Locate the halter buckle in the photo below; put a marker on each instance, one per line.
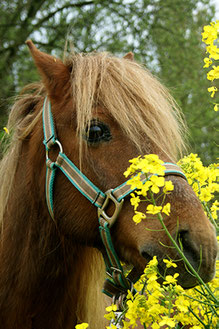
(118, 206)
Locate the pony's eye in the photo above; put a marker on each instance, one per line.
(97, 132)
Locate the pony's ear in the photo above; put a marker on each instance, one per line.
(129, 56)
(54, 73)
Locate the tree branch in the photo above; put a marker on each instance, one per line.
(46, 18)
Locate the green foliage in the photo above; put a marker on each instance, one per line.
(164, 34)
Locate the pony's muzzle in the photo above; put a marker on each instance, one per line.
(202, 259)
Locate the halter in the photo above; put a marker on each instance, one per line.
(118, 284)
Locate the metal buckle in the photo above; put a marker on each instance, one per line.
(118, 206)
(60, 149)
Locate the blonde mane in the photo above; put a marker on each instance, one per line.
(128, 92)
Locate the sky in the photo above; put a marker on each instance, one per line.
(216, 3)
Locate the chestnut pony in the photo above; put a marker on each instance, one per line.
(106, 110)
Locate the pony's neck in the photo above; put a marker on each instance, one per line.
(46, 281)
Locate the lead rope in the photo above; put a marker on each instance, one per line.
(117, 284)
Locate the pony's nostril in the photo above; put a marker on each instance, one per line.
(188, 247)
(183, 239)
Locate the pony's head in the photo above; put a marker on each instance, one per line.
(106, 111)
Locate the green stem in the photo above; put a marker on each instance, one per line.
(197, 317)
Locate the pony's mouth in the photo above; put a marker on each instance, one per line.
(185, 278)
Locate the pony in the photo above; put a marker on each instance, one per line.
(105, 110)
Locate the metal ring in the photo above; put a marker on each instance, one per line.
(60, 148)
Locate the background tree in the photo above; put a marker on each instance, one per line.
(164, 34)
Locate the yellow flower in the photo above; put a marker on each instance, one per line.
(156, 183)
(205, 195)
(153, 262)
(153, 209)
(132, 312)
(6, 130)
(166, 209)
(209, 34)
(138, 286)
(182, 304)
(145, 188)
(216, 107)
(137, 218)
(212, 90)
(169, 263)
(111, 308)
(213, 74)
(135, 182)
(167, 321)
(214, 209)
(168, 187)
(207, 62)
(81, 326)
(171, 279)
(135, 200)
(110, 316)
(130, 295)
(213, 51)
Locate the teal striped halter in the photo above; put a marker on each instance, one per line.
(117, 284)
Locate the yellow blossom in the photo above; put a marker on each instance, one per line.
(135, 182)
(156, 182)
(205, 195)
(167, 321)
(166, 209)
(169, 263)
(151, 209)
(212, 90)
(137, 218)
(111, 308)
(6, 130)
(207, 62)
(135, 200)
(216, 107)
(214, 73)
(168, 187)
(169, 279)
(81, 326)
(153, 262)
(182, 304)
(213, 51)
(209, 34)
(214, 209)
(138, 286)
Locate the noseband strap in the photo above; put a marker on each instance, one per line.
(118, 283)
